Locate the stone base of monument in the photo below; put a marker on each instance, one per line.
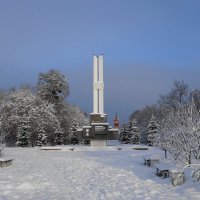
(98, 143)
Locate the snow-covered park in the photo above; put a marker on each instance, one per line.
(90, 173)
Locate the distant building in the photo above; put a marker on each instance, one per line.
(116, 122)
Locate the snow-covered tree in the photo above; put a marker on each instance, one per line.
(45, 110)
(134, 133)
(58, 138)
(73, 134)
(143, 117)
(23, 133)
(41, 138)
(2, 133)
(44, 119)
(180, 132)
(130, 133)
(2, 141)
(24, 104)
(124, 135)
(195, 95)
(52, 86)
(14, 109)
(152, 131)
(74, 116)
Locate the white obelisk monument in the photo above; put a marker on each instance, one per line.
(98, 85)
(99, 131)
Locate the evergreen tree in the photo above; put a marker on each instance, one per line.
(73, 134)
(58, 138)
(130, 133)
(152, 131)
(41, 138)
(134, 133)
(22, 136)
(124, 137)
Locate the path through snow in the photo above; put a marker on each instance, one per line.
(71, 175)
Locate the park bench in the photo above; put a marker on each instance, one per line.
(150, 162)
(162, 173)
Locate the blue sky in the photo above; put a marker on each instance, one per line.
(147, 45)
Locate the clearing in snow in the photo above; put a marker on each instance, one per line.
(93, 174)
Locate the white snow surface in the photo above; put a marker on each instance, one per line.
(97, 174)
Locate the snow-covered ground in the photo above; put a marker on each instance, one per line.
(88, 174)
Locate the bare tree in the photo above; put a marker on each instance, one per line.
(176, 97)
(195, 95)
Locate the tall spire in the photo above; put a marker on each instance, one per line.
(116, 122)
